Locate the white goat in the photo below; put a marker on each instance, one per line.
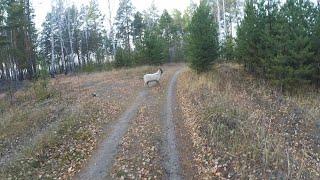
(153, 77)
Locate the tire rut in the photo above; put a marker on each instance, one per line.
(100, 163)
(172, 160)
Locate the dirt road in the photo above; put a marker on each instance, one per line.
(142, 142)
(100, 162)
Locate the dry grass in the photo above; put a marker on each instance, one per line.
(63, 121)
(241, 127)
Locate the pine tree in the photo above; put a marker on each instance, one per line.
(279, 44)
(137, 27)
(122, 58)
(293, 61)
(247, 38)
(203, 39)
(167, 31)
(165, 25)
(45, 43)
(3, 40)
(179, 32)
(123, 23)
(228, 49)
(21, 30)
(153, 47)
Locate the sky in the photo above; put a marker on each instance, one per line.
(42, 7)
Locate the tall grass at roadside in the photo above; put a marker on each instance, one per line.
(254, 130)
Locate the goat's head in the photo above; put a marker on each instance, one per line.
(161, 71)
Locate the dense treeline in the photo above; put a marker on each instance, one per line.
(276, 41)
(73, 39)
(76, 39)
(17, 40)
(281, 42)
(147, 38)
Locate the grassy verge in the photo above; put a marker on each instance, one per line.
(243, 128)
(59, 151)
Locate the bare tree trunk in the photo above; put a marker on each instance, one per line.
(64, 63)
(70, 33)
(224, 19)
(2, 71)
(218, 18)
(52, 68)
(87, 44)
(128, 37)
(128, 33)
(28, 41)
(8, 76)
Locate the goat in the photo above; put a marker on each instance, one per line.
(153, 77)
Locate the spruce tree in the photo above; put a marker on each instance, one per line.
(153, 47)
(247, 36)
(203, 39)
(292, 64)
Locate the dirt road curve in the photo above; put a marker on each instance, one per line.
(101, 163)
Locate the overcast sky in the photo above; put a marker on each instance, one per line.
(42, 7)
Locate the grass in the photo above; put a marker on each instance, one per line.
(251, 129)
(95, 67)
(56, 150)
(64, 116)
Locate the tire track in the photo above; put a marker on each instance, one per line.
(100, 163)
(172, 161)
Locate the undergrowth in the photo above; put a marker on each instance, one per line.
(253, 130)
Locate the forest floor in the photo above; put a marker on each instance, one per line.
(224, 124)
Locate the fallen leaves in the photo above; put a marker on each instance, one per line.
(139, 155)
(64, 149)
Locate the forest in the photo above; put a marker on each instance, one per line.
(276, 41)
(222, 89)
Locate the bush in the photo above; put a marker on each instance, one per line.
(41, 90)
(123, 58)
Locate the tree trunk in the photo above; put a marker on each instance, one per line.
(224, 19)
(64, 63)
(70, 33)
(87, 45)
(218, 18)
(52, 69)
(28, 43)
